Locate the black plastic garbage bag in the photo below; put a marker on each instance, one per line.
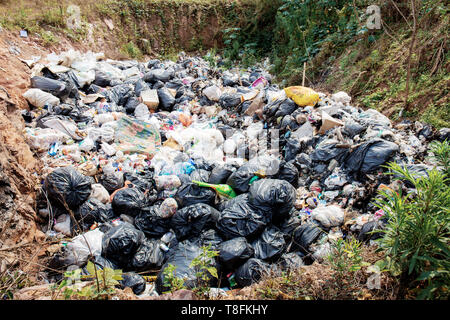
(57, 88)
(200, 175)
(118, 94)
(158, 75)
(189, 194)
(235, 252)
(102, 79)
(102, 263)
(143, 181)
(166, 100)
(287, 107)
(128, 201)
(219, 175)
(370, 156)
(91, 211)
(288, 172)
(305, 235)
(120, 243)
(131, 105)
(288, 226)
(113, 181)
(270, 245)
(292, 148)
(329, 150)
(240, 219)
(151, 222)
(367, 231)
(352, 129)
(230, 202)
(209, 238)
(240, 179)
(67, 185)
(192, 220)
(292, 260)
(273, 195)
(229, 100)
(149, 256)
(140, 86)
(181, 257)
(134, 281)
(250, 272)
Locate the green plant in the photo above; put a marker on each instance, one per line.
(132, 50)
(441, 152)
(204, 269)
(104, 282)
(48, 38)
(171, 281)
(416, 237)
(345, 257)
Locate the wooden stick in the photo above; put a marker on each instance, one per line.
(304, 69)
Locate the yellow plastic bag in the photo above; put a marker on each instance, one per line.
(302, 96)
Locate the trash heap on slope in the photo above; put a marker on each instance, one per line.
(127, 148)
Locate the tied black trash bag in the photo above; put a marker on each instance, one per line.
(92, 211)
(240, 219)
(235, 252)
(67, 185)
(219, 175)
(149, 256)
(128, 201)
(131, 105)
(250, 272)
(230, 100)
(134, 281)
(209, 238)
(272, 195)
(240, 179)
(103, 263)
(288, 172)
(370, 156)
(305, 235)
(192, 220)
(57, 88)
(289, 225)
(327, 151)
(366, 231)
(140, 86)
(166, 100)
(287, 107)
(292, 148)
(121, 243)
(270, 245)
(102, 79)
(181, 258)
(189, 194)
(152, 223)
(112, 181)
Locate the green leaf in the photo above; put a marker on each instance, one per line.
(90, 267)
(213, 271)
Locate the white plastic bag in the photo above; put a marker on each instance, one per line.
(100, 193)
(39, 98)
(328, 216)
(87, 144)
(85, 244)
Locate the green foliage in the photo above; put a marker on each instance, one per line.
(345, 257)
(204, 269)
(171, 281)
(132, 50)
(104, 283)
(48, 38)
(416, 237)
(12, 281)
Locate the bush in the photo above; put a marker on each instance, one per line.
(416, 237)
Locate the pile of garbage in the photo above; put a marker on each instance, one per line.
(145, 163)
